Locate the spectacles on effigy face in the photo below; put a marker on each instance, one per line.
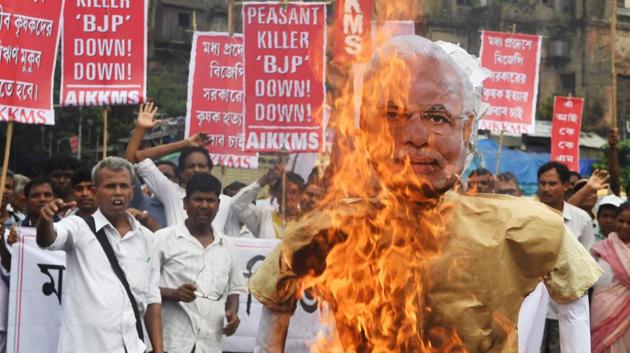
(201, 294)
(437, 119)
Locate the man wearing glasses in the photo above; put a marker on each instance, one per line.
(200, 277)
(406, 264)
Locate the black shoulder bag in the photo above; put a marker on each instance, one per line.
(109, 252)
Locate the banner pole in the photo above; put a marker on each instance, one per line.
(613, 69)
(283, 205)
(105, 133)
(7, 154)
(501, 136)
(230, 19)
(80, 133)
(194, 21)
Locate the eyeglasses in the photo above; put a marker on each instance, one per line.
(440, 122)
(199, 293)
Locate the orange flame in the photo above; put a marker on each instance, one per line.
(375, 276)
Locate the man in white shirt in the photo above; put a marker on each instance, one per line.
(553, 182)
(194, 159)
(98, 314)
(200, 277)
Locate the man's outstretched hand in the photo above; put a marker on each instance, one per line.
(146, 116)
(49, 210)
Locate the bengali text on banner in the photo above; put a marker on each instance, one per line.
(104, 53)
(511, 90)
(352, 30)
(565, 131)
(215, 97)
(284, 87)
(29, 33)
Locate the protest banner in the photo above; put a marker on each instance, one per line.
(35, 296)
(284, 95)
(37, 287)
(29, 33)
(104, 53)
(215, 97)
(511, 90)
(304, 326)
(352, 30)
(565, 131)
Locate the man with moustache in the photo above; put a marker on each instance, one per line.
(464, 263)
(200, 276)
(112, 269)
(553, 183)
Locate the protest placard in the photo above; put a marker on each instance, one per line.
(104, 50)
(511, 90)
(215, 97)
(352, 26)
(284, 89)
(29, 33)
(565, 131)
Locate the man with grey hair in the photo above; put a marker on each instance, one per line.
(407, 264)
(113, 269)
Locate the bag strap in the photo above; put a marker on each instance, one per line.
(113, 261)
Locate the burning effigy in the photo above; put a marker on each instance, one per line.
(401, 261)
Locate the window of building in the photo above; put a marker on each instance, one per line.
(567, 83)
(464, 2)
(184, 19)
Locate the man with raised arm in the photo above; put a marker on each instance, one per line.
(193, 159)
(112, 269)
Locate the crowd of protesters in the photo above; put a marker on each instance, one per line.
(165, 230)
(595, 212)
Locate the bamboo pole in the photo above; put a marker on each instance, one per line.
(7, 154)
(501, 136)
(105, 132)
(613, 69)
(230, 19)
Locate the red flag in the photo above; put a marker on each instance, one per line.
(511, 90)
(351, 31)
(104, 53)
(284, 82)
(29, 33)
(215, 97)
(565, 131)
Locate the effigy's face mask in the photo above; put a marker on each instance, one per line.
(414, 119)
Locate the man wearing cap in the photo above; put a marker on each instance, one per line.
(407, 264)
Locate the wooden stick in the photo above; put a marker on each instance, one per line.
(501, 137)
(230, 19)
(105, 133)
(7, 154)
(499, 152)
(194, 22)
(613, 69)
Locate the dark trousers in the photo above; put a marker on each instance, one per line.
(551, 337)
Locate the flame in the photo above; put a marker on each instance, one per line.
(375, 277)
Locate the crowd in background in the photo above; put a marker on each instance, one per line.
(193, 217)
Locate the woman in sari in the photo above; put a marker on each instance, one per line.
(610, 313)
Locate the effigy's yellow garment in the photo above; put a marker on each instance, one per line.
(496, 249)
